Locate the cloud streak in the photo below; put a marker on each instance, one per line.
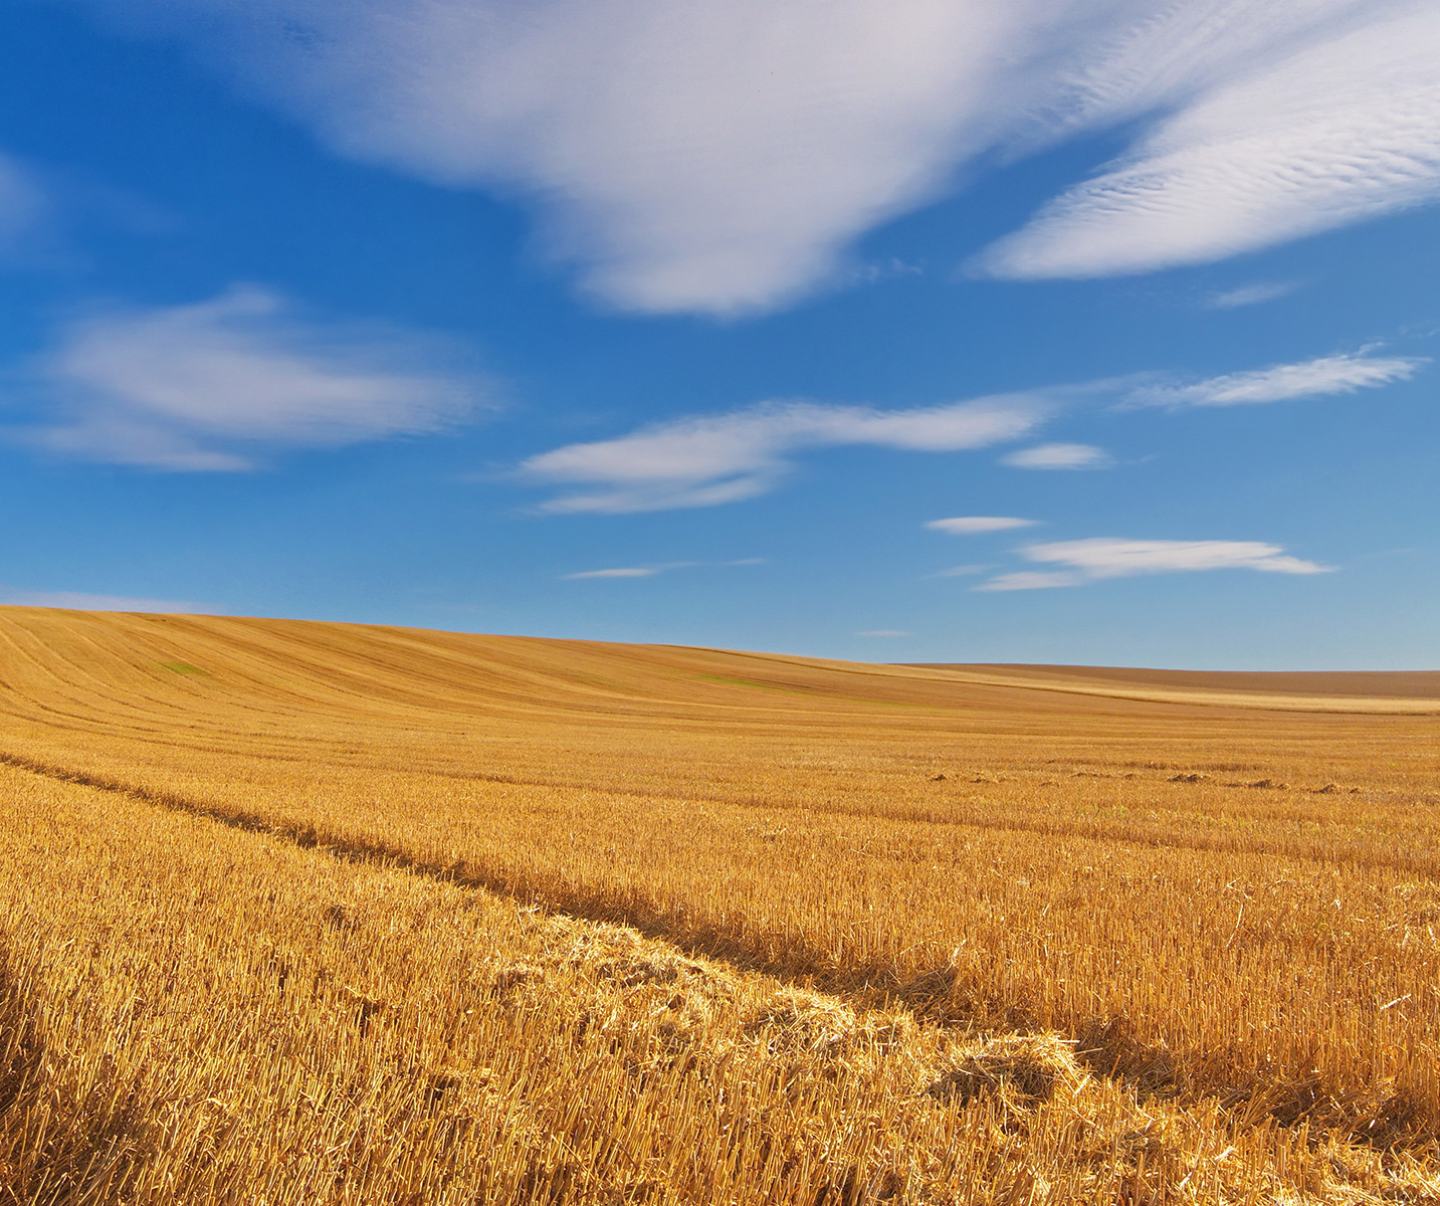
(651, 571)
(975, 525)
(1322, 377)
(1257, 294)
(214, 386)
(961, 571)
(1058, 456)
(1078, 562)
(625, 571)
(716, 459)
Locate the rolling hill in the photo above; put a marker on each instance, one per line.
(301, 911)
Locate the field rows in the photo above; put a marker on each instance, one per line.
(209, 1014)
(946, 939)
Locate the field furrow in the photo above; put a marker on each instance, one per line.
(945, 938)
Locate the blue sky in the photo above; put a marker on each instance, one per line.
(1095, 332)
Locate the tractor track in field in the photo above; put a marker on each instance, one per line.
(1107, 1048)
(879, 986)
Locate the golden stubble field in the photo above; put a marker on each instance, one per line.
(297, 913)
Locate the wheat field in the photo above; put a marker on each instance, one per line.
(296, 913)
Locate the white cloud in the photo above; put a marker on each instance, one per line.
(1104, 557)
(72, 600)
(969, 525)
(1250, 295)
(722, 158)
(685, 156)
(1097, 558)
(1031, 580)
(886, 269)
(1281, 121)
(650, 571)
(883, 634)
(1343, 374)
(961, 571)
(1058, 456)
(209, 387)
(706, 461)
(628, 571)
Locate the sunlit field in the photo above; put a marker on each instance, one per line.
(297, 913)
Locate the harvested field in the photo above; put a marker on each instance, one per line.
(324, 913)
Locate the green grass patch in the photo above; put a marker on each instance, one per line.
(731, 681)
(184, 668)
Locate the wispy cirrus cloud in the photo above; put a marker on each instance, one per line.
(217, 385)
(651, 571)
(623, 571)
(974, 525)
(883, 634)
(1256, 294)
(713, 460)
(1321, 377)
(683, 157)
(710, 460)
(1058, 456)
(1032, 580)
(1077, 562)
(723, 158)
(1278, 121)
